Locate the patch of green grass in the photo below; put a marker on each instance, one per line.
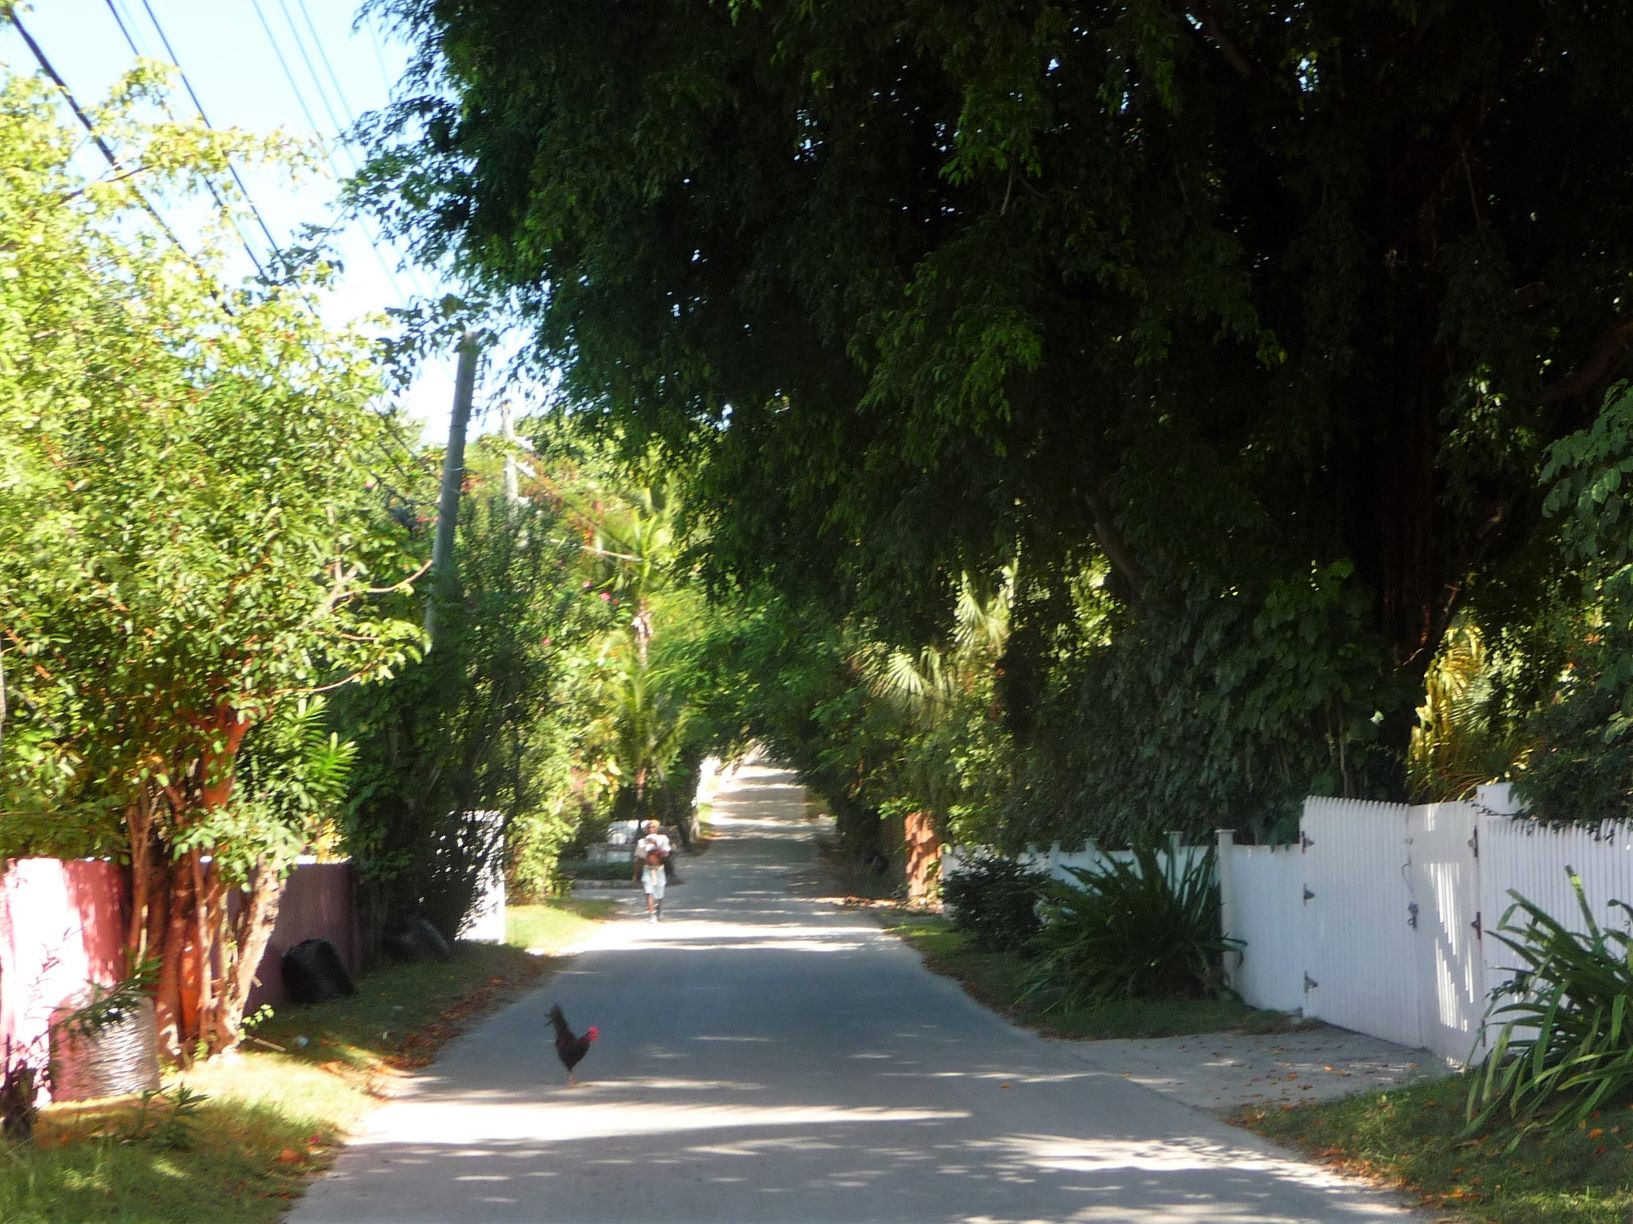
(275, 1113)
(598, 873)
(1413, 1137)
(998, 979)
(557, 925)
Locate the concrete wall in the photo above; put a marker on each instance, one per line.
(62, 925)
(317, 904)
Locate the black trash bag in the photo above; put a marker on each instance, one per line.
(314, 972)
(416, 939)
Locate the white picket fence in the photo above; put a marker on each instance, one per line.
(1380, 920)
(1054, 861)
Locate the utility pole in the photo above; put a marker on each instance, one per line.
(508, 428)
(453, 475)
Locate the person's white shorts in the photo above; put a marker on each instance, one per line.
(652, 880)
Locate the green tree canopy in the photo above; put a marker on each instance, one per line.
(190, 542)
(1269, 308)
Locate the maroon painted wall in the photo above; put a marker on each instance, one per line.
(62, 925)
(317, 904)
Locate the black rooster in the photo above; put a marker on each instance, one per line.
(571, 1050)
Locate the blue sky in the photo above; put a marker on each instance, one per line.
(229, 49)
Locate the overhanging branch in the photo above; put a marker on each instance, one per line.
(1205, 20)
(1596, 371)
(1114, 544)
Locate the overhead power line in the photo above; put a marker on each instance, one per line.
(299, 92)
(265, 229)
(102, 145)
(209, 183)
(323, 56)
(277, 250)
(119, 168)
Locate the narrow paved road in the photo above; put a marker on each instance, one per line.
(768, 1056)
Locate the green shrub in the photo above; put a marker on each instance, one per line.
(996, 900)
(1131, 930)
(1566, 1036)
(618, 872)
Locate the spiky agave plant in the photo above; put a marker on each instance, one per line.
(1145, 927)
(1564, 1044)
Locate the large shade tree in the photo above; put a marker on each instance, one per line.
(1267, 309)
(190, 545)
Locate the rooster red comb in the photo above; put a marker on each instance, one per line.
(592, 1032)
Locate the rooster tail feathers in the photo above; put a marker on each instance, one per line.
(563, 1033)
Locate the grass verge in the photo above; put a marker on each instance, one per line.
(1412, 1137)
(273, 1115)
(557, 925)
(998, 979)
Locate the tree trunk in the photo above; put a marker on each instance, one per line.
(173, 946)
(252, 930)
(181, 909)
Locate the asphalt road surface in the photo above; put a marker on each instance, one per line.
(767, 1055)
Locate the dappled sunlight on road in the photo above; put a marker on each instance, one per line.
(767, 1055)
(587, 1121)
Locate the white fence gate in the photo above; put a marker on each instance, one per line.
(1380, 920)
(1261, 888)
(1355, 928)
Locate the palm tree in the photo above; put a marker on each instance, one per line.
(1460, 741)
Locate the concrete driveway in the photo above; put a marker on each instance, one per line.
(767, 1056)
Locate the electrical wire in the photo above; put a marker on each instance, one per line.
(379, 58)
(306, 110)
(323, 97)
(107, 153)
(113, 161)
(310, 305)
(199, 106)
(209, 183)
(323, 55)
(346, 109)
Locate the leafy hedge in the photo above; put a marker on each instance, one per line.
(996, 900)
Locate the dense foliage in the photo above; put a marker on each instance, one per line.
(1259, 318)
(455, 750)
(191, 547)
(996, 900)
(568, 684)
(1146, 926)
(1581, 768)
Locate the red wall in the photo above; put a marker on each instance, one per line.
(62, 925)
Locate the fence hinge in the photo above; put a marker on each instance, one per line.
(1307, 894)
(1474, 842)
(1310, 983)
(1412, 915)
(1478, 933)
(1304, 842)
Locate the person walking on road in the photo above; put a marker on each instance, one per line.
(651, 857)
